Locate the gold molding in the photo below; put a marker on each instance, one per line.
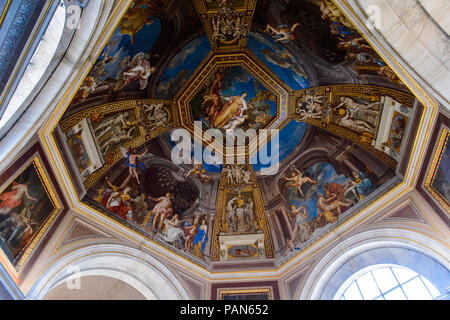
(431, 174)
(50, 144)
(47, 185)
(207, 14)
(247, 291)
(250, 65)
(5, 12)
(219, 224)
(110, 109)
(374, 93)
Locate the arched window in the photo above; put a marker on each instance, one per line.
(387, 282)
(41, 59)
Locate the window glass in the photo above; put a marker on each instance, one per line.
(41, 59)
(387, 282)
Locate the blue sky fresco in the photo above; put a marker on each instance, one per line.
(289, 137)
(182, 67)
(279, 60)
(322, 172)
(235, 82)
(120, 46)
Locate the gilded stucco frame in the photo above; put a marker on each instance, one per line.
(49, 190)
(435, 162)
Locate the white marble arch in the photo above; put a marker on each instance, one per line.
(93, 20)
(416, 35)
(407, 248)
(137, 269)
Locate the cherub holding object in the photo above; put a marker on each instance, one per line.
(297, 179)
(283, 32)
(200, 172)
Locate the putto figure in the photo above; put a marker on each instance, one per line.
(296, 180)
(283, 33)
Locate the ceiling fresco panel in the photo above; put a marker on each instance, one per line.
(339, 123)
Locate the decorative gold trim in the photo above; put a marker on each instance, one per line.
(265, 77)
(431, 174)
(375, 93)
(49, 144)
(222, 292)
(5, 12)
(111, 108)
(26, 252)
(219, 224)
(206, 16)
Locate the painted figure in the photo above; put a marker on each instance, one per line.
(200, 240)
(299, 217)
(162, 210)
(136, 18)
(214, 94)
(354, 107)
(133, 162)
(283, 33)
(200, 171)
(172, 232)
(12, 199)
(327, 207)
(354, 124)
(190, 233)
(361, 184)
(235, 106)
(297, 179)
(139, 69)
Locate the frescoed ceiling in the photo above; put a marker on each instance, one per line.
(337, 121)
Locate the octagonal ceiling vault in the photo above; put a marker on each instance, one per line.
(226, 77)
(341, 143)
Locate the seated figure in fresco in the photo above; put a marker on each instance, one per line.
(330, 208)
(162, 210)
(235, 106)
(118, 202)
(23, 222)
(283, 33)
(13, 199)
(296, 180)
(173, 233)
(11, 225)
(139, 69)
(24, 237)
